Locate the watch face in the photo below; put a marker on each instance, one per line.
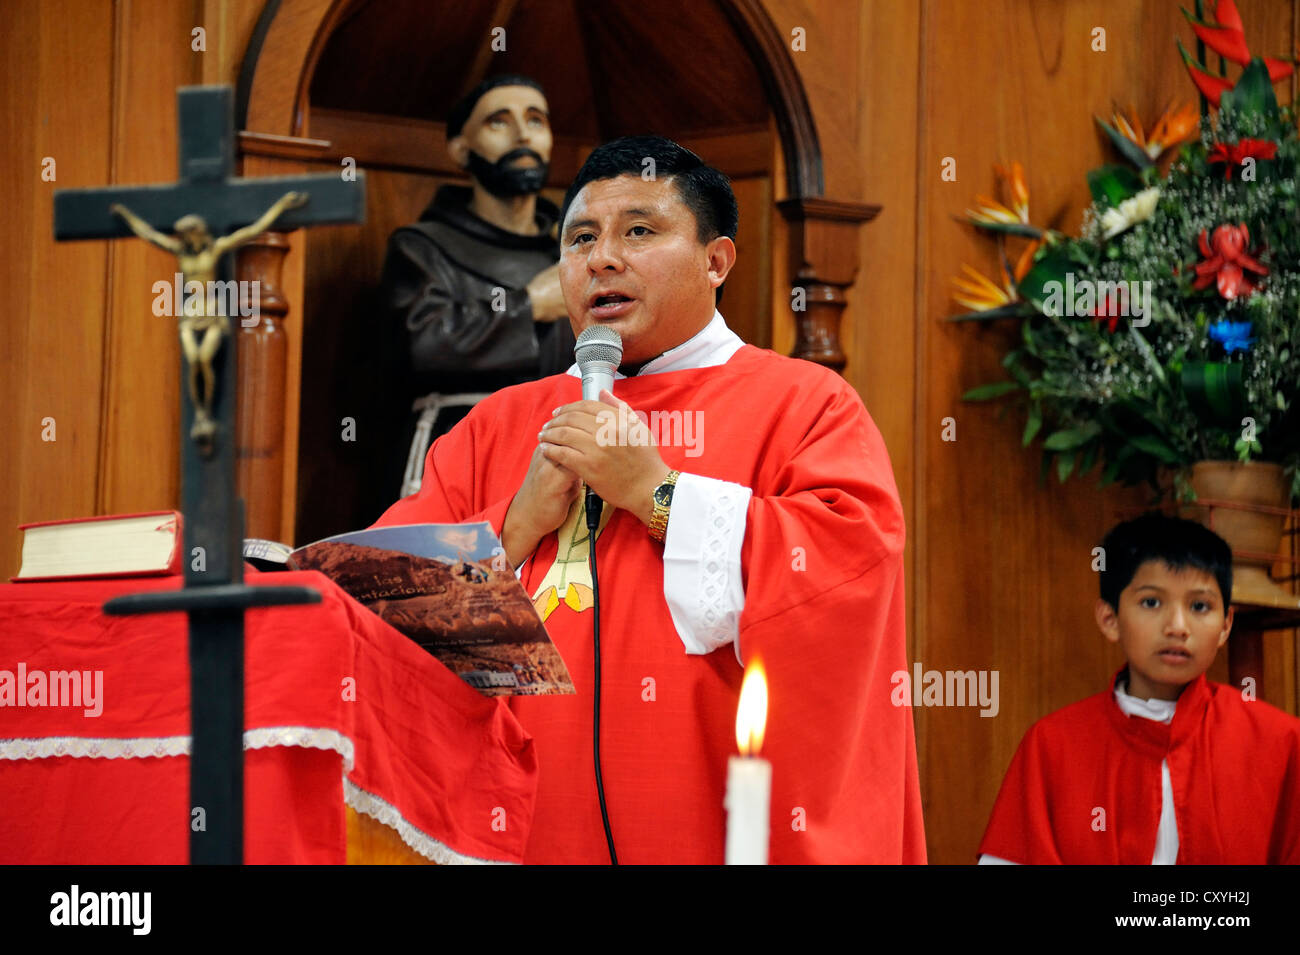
(664, 495)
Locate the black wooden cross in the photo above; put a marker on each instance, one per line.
(214, 595)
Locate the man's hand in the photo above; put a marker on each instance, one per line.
(539, 507)
(607, 445)
(545, 296)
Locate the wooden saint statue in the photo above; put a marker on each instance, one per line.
(198, 253)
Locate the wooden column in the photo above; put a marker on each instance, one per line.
(823, 263)
(262, 351)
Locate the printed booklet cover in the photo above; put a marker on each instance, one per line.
(450, 589)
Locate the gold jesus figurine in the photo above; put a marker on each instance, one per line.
(198, 253)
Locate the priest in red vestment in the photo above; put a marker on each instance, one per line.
(750, 514)
(1164, 767)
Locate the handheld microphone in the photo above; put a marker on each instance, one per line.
(599, 353)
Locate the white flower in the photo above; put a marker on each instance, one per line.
(1130, 212)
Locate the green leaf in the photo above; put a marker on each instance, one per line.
(1014, 310)
(1144, 347)
(1052, 267)
(1253, 95)
(1214, 389)
(1113, 184)
(1072, 438)
(1089, 458)
(1156, 447)
(1127, 148)
(1064, 467)
(1008, 228)
(1033, 425)
(1111, 473)
(995, 390)
(1011, 362)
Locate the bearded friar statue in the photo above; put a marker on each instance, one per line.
(474, 283)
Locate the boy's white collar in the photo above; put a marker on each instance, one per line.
(1162, 711)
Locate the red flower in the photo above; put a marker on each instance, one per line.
(1111, 321)
(1227, 262)
(1225, 35)
(1108, 309)
(1233, 154)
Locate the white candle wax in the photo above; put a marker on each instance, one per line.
(749, 813)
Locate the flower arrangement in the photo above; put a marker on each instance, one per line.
(1168, 331)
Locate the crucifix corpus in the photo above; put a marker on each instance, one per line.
(209, 214)
(198, 254)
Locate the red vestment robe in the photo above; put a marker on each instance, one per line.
(823, 572)
(1084, 786)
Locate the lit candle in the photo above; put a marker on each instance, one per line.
(749, 779)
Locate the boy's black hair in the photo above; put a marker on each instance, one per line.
(705, 191)
(459, 114)
(1155, 536)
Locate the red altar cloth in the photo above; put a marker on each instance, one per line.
(339, 708)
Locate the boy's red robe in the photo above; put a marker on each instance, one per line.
(822, 566)
(1234, 764)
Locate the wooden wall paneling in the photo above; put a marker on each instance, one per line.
(153, 56)
(827, 65)
(1005, 572)
(229, 25)
(1004, 562)
(57, 83)
(746, 302)
(783, 331)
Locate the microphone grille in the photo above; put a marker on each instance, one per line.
(599, 343)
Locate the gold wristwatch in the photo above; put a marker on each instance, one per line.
(663, 501)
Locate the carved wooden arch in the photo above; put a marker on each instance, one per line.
(292, 34)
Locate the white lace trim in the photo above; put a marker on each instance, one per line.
(302, 736)
(158, 746)
(715, 614)
(386, 813)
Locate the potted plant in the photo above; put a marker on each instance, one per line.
(1163, 341)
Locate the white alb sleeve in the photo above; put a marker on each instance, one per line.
(703, 586)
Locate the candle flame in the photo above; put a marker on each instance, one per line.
(751, 713)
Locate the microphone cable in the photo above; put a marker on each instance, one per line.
(593, 507)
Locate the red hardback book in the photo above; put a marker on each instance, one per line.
(147, 544)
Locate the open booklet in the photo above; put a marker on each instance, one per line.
(450, 589)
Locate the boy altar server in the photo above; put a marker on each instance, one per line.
(1163, 767)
